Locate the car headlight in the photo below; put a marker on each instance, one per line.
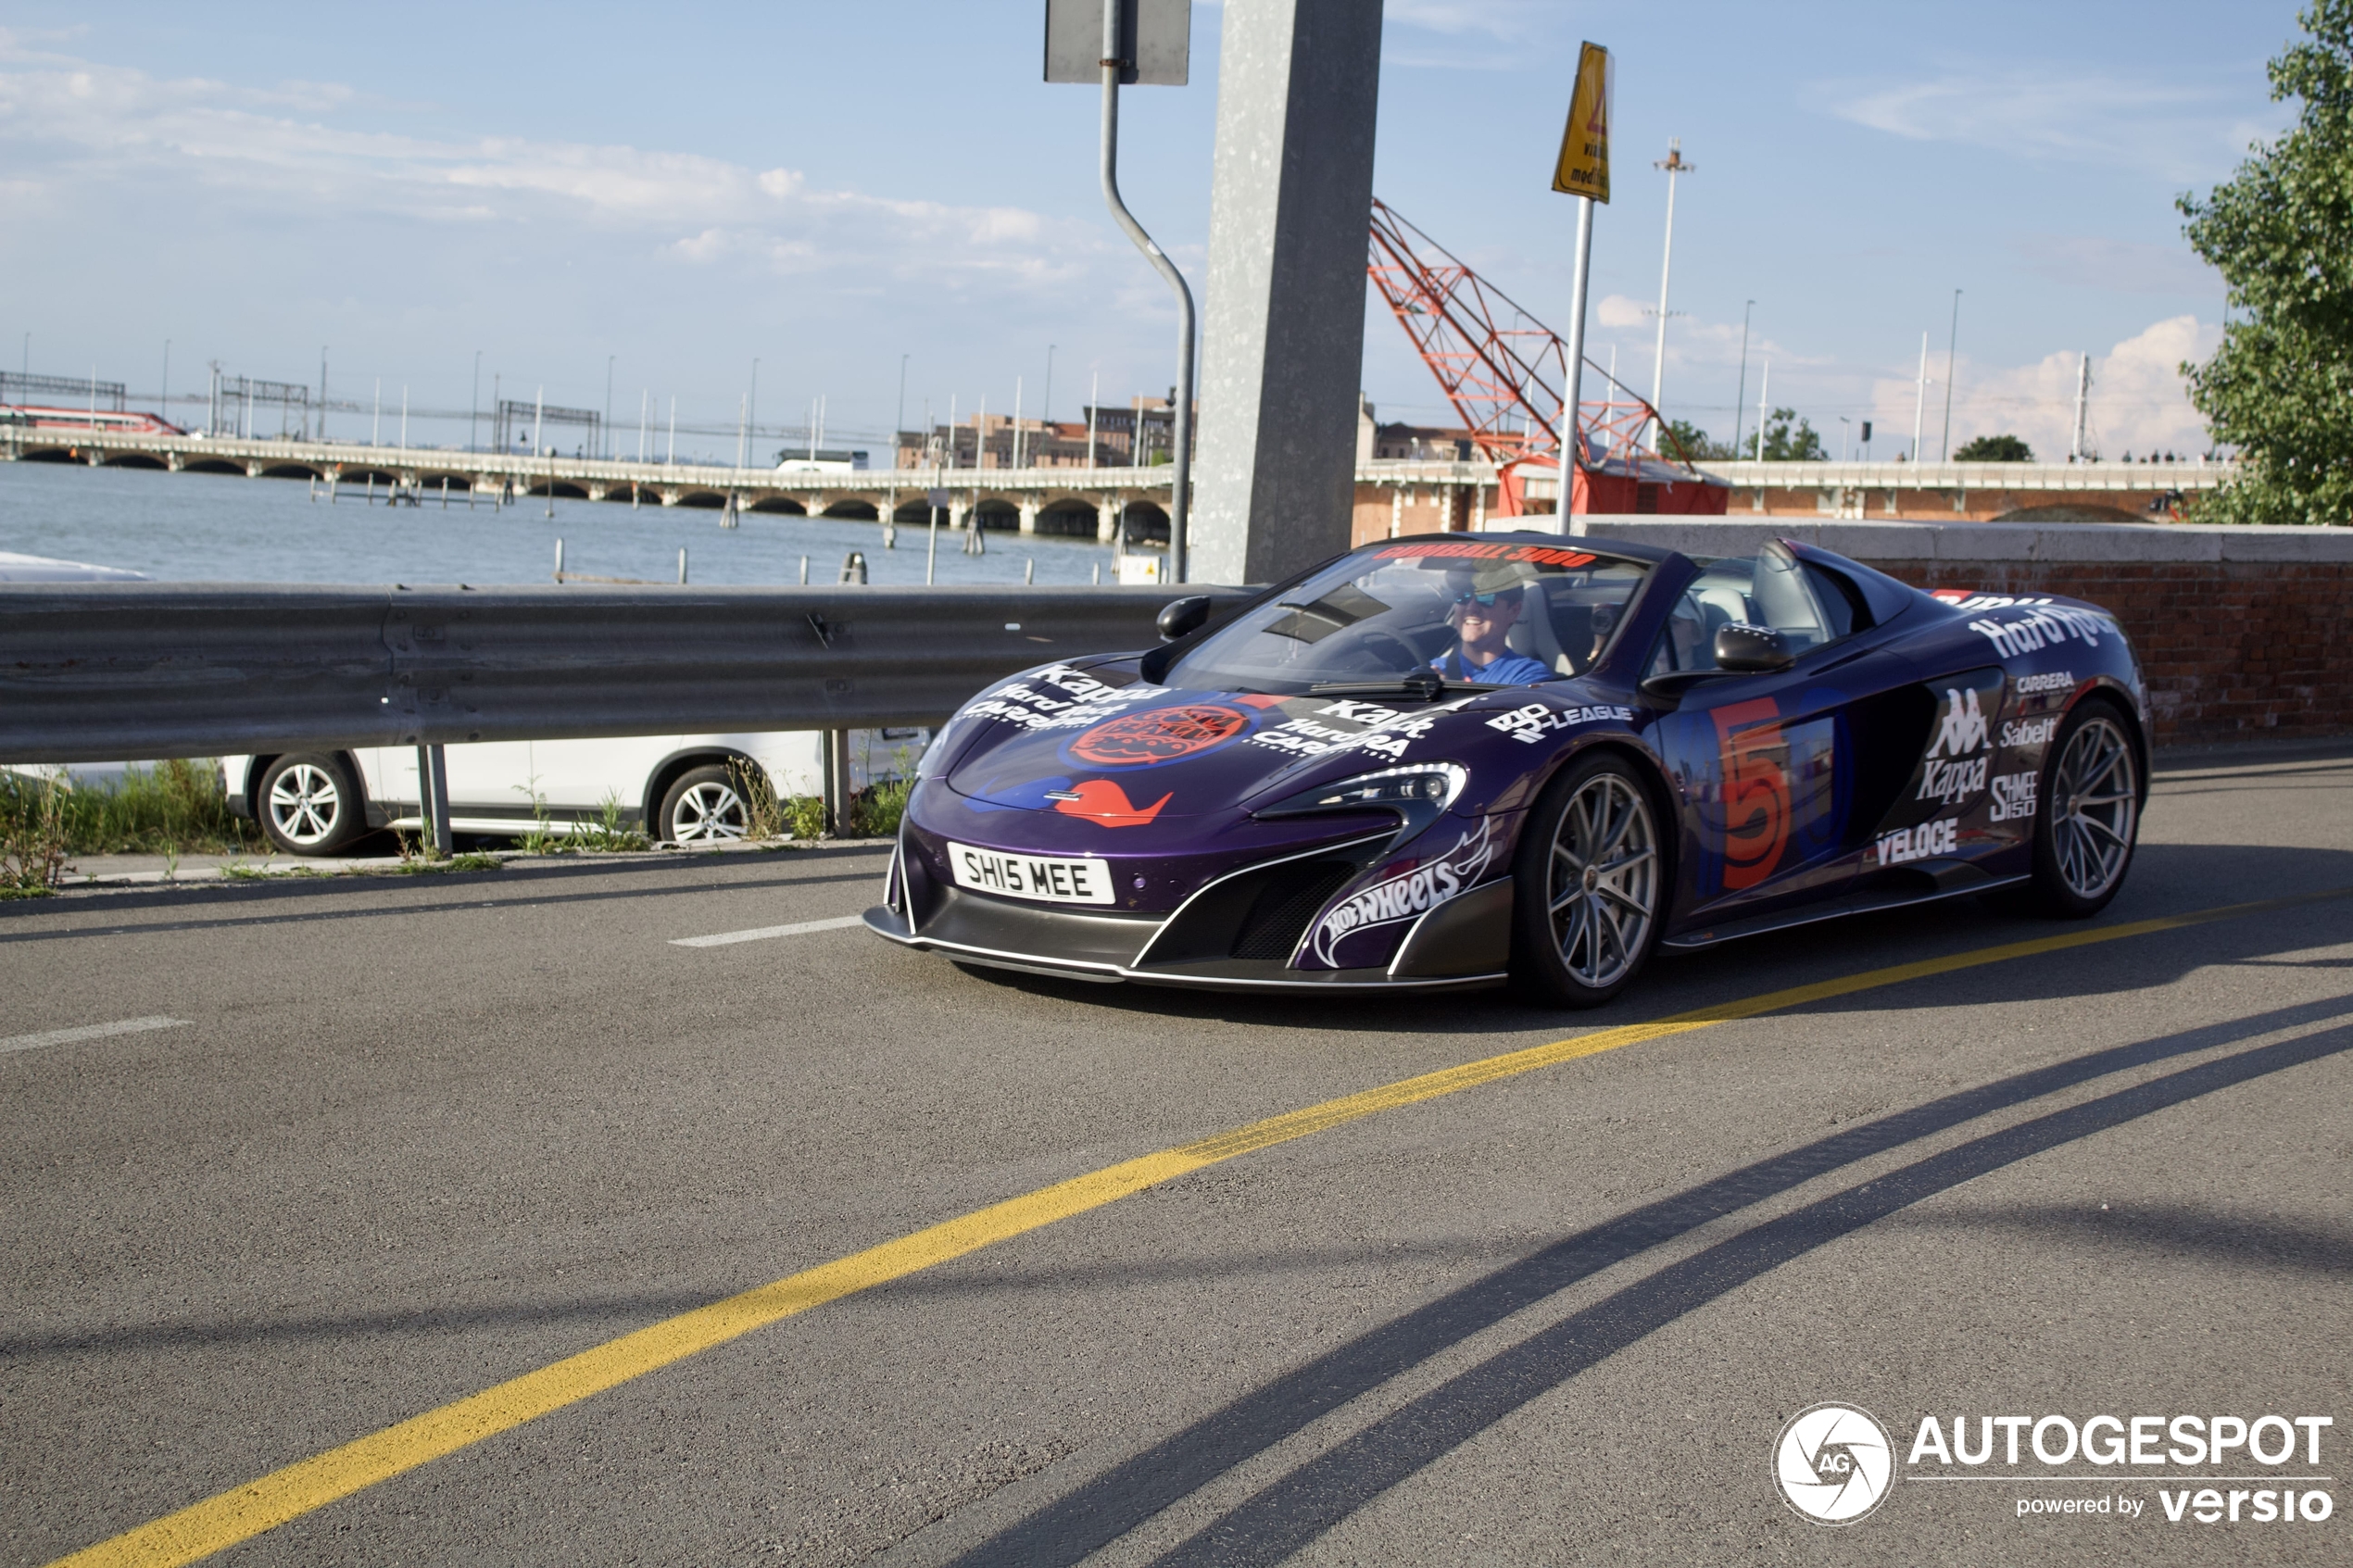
(1419, 794)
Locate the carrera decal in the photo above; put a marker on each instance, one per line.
(2057, 681)
(1407, 895)
(1757, 803)
(1101, 800)
(1163, 734)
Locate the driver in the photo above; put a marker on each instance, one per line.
(1486, 609)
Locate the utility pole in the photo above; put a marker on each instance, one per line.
(604, 430)
(1094, 396)
(2083, 408)
(1920, 399)
(473, 410)
(1764, 387)
(743, 413)
(899, 421)
(1045, 404)
(1739, 398)
(1673, 163)
(1944, 453)
(164, 397)
(322, 392)
(1114, 60)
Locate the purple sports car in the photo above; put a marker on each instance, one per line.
(1454, 760)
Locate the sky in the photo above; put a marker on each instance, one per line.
(844, 192)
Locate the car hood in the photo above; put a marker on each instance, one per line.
(1126, 756)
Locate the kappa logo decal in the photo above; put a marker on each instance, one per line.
(1963, 729)
(1101, 800)
(1134, 740)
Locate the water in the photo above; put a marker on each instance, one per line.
(219, 528)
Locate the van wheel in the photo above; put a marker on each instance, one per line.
(704, 807)
(309, 803)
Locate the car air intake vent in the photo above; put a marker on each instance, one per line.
(1285, 904)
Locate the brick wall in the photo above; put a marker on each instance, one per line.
(2241, 633)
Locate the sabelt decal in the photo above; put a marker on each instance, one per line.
(1102, 801)
(1756, 804)
(2056, 681)
(2014, 796)
(1533, 722)
(1939, 837)
(2027, 628)
(2030, 731)
(1163, 734)
(1409, 894)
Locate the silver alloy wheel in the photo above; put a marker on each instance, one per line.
(305, 802)
(2094, 803)
(1604, 887)
(708, 810)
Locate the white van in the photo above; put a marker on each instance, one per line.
(681, 789)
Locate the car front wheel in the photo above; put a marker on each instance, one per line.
(309, 803)
(1590, 884)
(705, 806)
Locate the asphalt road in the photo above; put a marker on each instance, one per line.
(409, 1138)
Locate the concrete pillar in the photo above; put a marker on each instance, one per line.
(1396, 511)
(959, 508)
(1029, 514)
(672, 497)
(1107, 510)
(1283, 345)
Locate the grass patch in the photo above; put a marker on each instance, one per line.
(425, 865)
(33, 838)
(176, 807)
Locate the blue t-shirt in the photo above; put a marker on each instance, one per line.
(1509, 669)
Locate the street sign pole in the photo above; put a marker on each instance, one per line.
(1158, 55)
(1582, 170)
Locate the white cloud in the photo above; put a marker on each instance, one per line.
(2139, 401)
(2132, 265)
(69, 124)
(2180, 133)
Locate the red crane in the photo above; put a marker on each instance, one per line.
(1506, 385)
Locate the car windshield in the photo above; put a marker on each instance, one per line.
(1466, 610)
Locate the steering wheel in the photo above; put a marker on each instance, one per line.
(1396, 655)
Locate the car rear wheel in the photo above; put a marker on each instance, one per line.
(704, 807)
(2091, 814)
(1590, 884)
(309, 803)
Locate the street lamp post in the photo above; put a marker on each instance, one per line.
(1673, 163)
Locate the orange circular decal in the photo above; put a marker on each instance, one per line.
(1161, 736)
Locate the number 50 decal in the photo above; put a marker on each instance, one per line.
(1756, 804)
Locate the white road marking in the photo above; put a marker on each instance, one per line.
(761, 934)
(87, 1032)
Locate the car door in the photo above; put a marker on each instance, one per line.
(1765, 761)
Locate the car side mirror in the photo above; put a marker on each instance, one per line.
(1180, 616)
(1751, 649)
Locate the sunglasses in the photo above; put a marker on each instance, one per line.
(1488, 599)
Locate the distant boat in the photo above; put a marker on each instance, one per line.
(14, 568)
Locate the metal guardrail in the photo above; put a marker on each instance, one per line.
(99, 671)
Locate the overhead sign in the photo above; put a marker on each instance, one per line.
(1583, 167)
(1156, 42)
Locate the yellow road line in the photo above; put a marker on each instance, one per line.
(241, 1513)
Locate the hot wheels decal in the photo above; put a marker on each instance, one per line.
(1409, 894)
(1757, 805)
(1138, 740)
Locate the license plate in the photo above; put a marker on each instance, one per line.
(1056, 880)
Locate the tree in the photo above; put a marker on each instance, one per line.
(2280, 387)
(1994, 449)
(1697, 444)
(1788, 439)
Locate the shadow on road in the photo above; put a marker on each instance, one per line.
(1285, 1516)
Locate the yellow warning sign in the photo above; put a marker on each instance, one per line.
(1583, 169)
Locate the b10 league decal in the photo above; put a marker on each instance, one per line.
(1533, 722)
(1408, 895)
